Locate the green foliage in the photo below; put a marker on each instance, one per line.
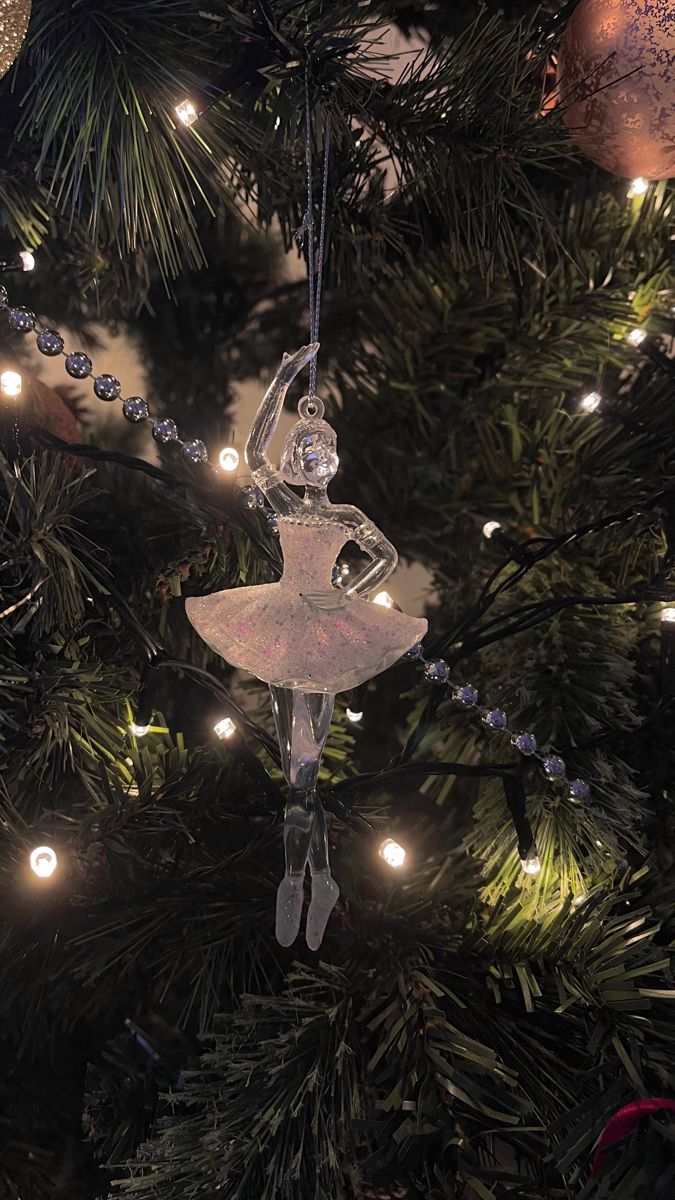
(467, 1031)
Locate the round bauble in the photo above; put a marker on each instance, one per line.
(14, 17)
(616, 77)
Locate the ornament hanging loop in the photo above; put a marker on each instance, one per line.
(311, 406)
(315, 255)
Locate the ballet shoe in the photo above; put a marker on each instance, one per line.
(325, 894)
(290, 895)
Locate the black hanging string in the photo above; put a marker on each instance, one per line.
(315, 260)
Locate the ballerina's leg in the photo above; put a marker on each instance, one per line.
(325, 891)
(302, 720)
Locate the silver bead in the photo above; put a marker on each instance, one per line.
(252, 496)
(495, 718)
(526, 743)
(165, 430)
(78, 364)
(135, 409)
(107, 387)
(554, 766)
(466, 694)
(21, 319)
(437, 670)
(50, 342)
(579, 790)
(195, 451)
(4, 298)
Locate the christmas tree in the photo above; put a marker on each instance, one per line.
(495, 984)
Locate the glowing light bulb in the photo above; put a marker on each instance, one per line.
(668, 615)
(636, 336)
(638, 187)
(490, 528)
(43, 861)
(229, 458)
(225, 728)
(580, 899)
(138, 730)
(590, 401)
(27, 260)
(530, 863)
(384, 599)
(392, 853)
(354, 716)
(10, 383)
(186, 112)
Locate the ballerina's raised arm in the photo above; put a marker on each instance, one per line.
(268, 477)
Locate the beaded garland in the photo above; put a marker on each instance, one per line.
(165, 431)
(496, 720)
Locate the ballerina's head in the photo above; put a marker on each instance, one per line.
(309, 455)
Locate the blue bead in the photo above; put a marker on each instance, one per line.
(252, 496)
(554, 766)
(415, 651)
(526, 743)
(165, 430)
(107, 387)
(467, 694)
(579, 789)
(195, 451)
(21, 319)
(495, 718)
(437, 670)
(78, 364)
(336, 576)
(272, 522)
(49, 342)
(135, 409)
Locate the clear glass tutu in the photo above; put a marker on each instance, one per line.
(302, 632)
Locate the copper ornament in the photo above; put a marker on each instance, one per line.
(14, 17)
(616, 76)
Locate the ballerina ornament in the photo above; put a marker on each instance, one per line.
(302, 636)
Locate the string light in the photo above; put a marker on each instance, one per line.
(384, 599)
(530, 863)
(392, 853)
(490, 528)
(186, 112)
(580, 899)
(636, 336)
(224, 728)
(27, 260)
(229, 458)
(590, 401)
(638, 187)
(138, 730)
(10, 383)
(668, 615)
(43, 861)
(354, 716)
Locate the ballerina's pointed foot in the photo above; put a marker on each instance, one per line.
(325, 895)
(289, 909)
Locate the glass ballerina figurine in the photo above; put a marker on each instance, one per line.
(304, 637)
